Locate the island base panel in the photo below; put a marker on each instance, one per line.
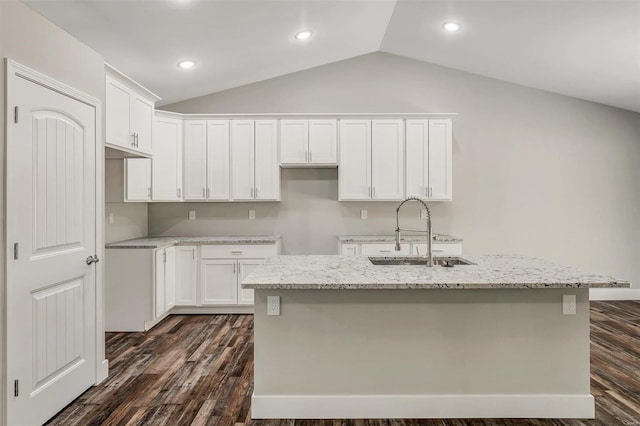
(422, 354)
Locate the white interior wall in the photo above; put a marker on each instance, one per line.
(534, 172)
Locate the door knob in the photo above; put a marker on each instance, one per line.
(92, 259)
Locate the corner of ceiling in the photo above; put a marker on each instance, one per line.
(386, 28)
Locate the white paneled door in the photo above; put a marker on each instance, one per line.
(51, 244)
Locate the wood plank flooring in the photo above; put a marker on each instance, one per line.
(198, 369)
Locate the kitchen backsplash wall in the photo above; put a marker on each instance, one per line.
(533, 172)
(309, 217)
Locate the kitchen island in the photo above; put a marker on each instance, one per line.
(357, 340)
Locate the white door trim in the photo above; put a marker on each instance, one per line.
(13, 71)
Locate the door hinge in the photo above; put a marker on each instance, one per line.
(16, 388)
(15, 114)
(16, 248)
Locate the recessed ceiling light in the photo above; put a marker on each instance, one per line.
(185, 65)
(451, 26)
(303, 35)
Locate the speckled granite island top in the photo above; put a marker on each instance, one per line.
(160, 242)
(370, 239)
(489, 271)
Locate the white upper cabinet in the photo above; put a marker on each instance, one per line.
(440, 160)
(218, 138)
(294, 141)
(371, 160)
(355, 160)
(255, 174)
(417, 163)
(166, 181)
(323, 142)
(118, 114)
(129, 110)
(242, 159)
(429, 159)
(195, 159)
(308, 142)
(267, 172)
(137, 179)
(142, 123)
(387, 159)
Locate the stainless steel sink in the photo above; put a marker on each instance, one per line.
(437, 261)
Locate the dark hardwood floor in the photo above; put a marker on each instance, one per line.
(199, 370)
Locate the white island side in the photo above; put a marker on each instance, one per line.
(355, 340)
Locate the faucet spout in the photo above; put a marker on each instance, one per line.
(429, 254)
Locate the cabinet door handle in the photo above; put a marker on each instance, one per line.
(237, 251)
(385, 251)
(374, 192)
(133, 139)
(208, 192)
(255, 192)
(252, 192)
(430, 192)
(137, 140)
(149, 191)
(310, 156)
(234, 268)
(179, 193)
(204, 194)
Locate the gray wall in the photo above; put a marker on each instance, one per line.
(534, 172)
(30, 39)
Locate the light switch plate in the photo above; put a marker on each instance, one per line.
(252, 214)
(192, 215)
(110, 218)
(363, 214)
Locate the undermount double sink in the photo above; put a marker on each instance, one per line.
(437, 261)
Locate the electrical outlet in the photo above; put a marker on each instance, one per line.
(568, 304)
(110, 218)
(192, 215)
(423, 214)
(273, 305)
(252, 214)
(363, 214)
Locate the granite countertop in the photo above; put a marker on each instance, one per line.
(489, 272)
(161, 242)
(437, 238)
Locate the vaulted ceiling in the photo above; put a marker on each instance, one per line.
(586, 49)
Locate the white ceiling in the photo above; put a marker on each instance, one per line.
(586, 49)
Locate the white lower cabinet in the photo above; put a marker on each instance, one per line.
(165, 281)
(145, 285)
(218, 282)
(139, 287)
(186, 276)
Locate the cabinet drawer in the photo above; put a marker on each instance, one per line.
(238, 251)
(439, 249)
(384, 250)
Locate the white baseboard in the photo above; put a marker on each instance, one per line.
(232, 309)
(614, 294)
(422, 406)
(103, 371)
